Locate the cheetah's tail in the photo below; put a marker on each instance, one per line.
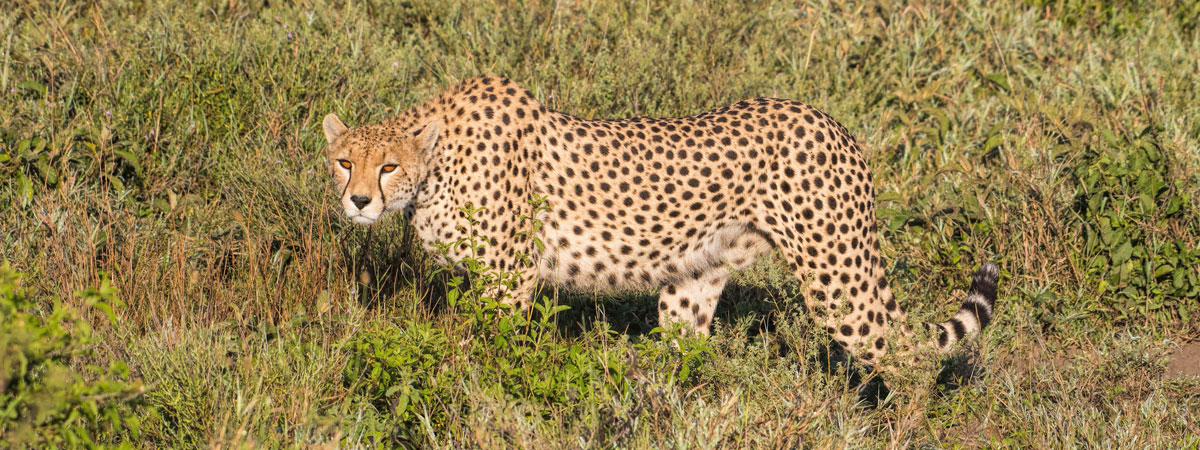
(976, 310)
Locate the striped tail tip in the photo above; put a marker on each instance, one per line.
(976, 311)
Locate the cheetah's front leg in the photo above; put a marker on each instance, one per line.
(692, 300)
(514, 288)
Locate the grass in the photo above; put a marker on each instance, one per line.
(175, 149)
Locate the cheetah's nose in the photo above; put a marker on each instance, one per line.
(360, 201)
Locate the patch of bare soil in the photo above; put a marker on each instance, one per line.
(1185, 362)
(1026, 359)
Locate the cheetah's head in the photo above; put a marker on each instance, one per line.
(377, 168)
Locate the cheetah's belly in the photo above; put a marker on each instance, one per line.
(605, 257)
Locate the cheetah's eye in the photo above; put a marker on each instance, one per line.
(388, 168)
(345, 164)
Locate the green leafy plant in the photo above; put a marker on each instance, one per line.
(400, 368)
(1118, 17)
(1139, 228)
(44, 400)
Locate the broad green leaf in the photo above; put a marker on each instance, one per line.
(1122, 253)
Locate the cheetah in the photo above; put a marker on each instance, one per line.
(672, 204)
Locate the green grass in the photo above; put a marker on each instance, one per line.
(175, 149)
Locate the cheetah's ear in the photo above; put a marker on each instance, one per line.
(429, 135)
(333, 127)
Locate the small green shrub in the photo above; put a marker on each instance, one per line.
(1139, 228)
(44, 401)
(399, 368)
(1118, 17)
